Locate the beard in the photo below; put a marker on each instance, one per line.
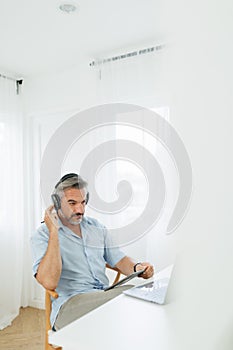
(76, 221)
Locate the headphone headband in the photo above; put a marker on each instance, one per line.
(66, 177)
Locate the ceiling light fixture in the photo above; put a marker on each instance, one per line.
(68, 7)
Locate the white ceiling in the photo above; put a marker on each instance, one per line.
(37, 38)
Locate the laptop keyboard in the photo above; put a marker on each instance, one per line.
(157, 295)
(153, 291)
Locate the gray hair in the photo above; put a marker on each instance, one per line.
(72, 182)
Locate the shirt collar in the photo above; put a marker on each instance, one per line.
(67, 229)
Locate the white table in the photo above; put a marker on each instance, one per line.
(122, 323)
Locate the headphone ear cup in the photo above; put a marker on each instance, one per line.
(56, 201)
(87, 197)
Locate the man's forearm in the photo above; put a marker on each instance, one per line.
(49, 270)
(125, 265)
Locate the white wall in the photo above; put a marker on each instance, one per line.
(198, 84)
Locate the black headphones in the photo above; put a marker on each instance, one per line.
(55, 197)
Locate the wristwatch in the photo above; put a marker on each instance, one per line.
(134, 268)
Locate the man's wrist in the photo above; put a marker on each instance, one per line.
(54, 232)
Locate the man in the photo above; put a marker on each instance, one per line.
(70, 252)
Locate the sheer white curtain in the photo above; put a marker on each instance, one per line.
(137, 80)
(11, 204)
(130, 80)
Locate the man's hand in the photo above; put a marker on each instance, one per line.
(51, 219)
(148, 272)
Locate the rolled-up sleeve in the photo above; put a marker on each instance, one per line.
(39, 244)
(112, 254)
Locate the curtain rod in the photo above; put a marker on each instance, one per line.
(127, 55)
(6, 77)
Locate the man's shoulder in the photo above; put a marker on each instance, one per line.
(41, 231)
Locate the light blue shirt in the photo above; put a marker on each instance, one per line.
(83, 259)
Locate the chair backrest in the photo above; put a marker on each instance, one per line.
(48, 306)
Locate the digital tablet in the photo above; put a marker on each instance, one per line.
(125, 279)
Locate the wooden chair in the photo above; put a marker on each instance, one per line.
(48, 306)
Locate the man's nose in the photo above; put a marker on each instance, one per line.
(79, 207)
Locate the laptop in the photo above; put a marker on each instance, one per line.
(154, 291)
